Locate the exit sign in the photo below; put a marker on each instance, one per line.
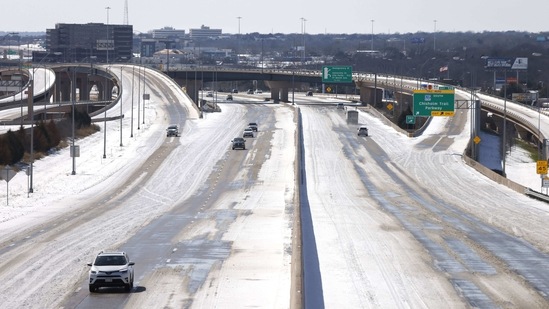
(337, 74)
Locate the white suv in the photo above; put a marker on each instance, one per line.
(111, 269)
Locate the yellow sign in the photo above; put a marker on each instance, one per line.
(442, 113)
(389, 106)
(476, 139)
(329, 89)
(541, 167)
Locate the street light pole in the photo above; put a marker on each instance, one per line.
(131, 121)
(73, 98)
(238, 40)
(108, 46)
(435, 36)
(372, 46)
(120, 100)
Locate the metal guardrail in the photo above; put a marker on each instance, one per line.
(537, 195)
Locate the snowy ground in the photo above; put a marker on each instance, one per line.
(58, 192)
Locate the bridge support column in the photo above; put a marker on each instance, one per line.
(279, 89)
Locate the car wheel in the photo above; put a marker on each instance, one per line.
(93, 288)
(128, 287)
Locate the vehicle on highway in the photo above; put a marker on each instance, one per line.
(239, 143)
(363, 131)
(172, 130)
(234, 90)
(209, 94)
(258, 91)
(229, 97)
(309, 93)
(340, 106)
(250, 91)
(111, 269)
(253, 125)
(248, 132)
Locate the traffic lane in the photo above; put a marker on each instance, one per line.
(197, 239)
(116, 297)
(477, 257)
(170, 252)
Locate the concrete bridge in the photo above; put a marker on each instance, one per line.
(51, 91)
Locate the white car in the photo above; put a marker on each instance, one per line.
(248, 132)
(111, 269)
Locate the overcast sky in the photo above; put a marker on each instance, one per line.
(284, 16)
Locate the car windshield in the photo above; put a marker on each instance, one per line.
(105, 260)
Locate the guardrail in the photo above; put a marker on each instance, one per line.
(537, 195)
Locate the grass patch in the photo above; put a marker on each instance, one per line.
(530, 148)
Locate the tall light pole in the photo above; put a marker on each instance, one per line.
(131, 120)
(73, 98)
(435, 36)
(372, 46)
(303, 30)
(108, 46)
(120, 101)
(238, 40)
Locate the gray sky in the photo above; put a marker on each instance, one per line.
(285, 16)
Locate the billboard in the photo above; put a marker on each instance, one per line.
(507, 63)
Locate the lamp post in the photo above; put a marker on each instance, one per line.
(144, 79)
(435, 36)
(120, 101)
(131, 120)
(303, 25)
(372, 46)
(73, 98)
(238, 40)
(108, 45)
(106, 95)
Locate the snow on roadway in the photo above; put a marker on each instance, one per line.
(56, 191)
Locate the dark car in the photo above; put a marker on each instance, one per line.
(362, 131)
(172, 130)
(239, 143)
(309, 93)
(234, 90)
(229, 97)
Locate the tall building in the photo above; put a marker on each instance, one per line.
(204, 32)
(168, 33)
(95, 42)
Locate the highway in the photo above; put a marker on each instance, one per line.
(388, 221)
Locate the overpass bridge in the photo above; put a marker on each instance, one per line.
(51, 89)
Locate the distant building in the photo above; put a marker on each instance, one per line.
(204, 32)
(168, 33)
(88, 42)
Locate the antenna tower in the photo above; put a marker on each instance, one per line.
(125, 12)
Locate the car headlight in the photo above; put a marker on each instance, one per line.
(93, 272)
(125, 270)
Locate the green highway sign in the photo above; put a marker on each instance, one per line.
(337, 74)
(410, 119)
(429, 103)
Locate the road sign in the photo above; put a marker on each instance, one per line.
(410, 119)
(337, 74)
(434, 102)
(476, 139)
(541, 167)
